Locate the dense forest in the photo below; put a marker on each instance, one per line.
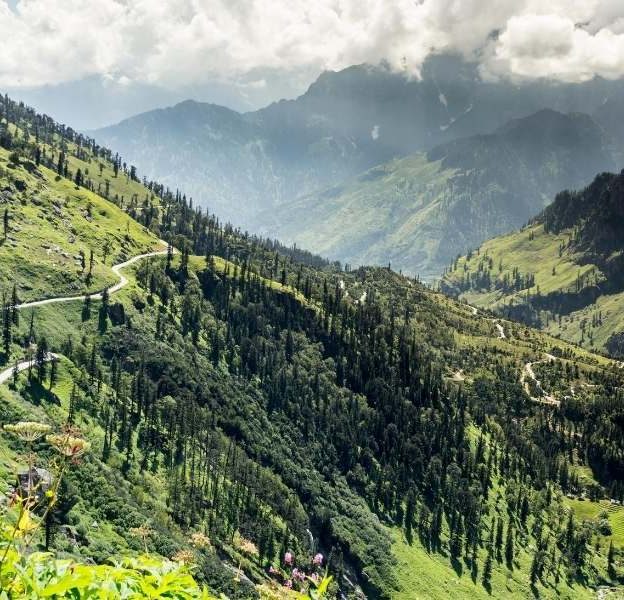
(268, 393)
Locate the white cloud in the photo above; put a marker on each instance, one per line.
(183, 42)
(553, 45)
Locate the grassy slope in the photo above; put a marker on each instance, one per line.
(51, 221)
(375, 215)
(540, 256)
(30, 401)
(424, 575)
(419, 573)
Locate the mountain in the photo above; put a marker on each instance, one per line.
(563, 272)
(347, 122)
(420, 212)
(274, 406)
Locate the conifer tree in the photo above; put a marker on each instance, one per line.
(487, 570)
(509, 547)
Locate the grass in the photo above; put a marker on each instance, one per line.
(584, 510)
(50, 223)
(535, 252)
(430, 576)
(390, 213)
(530, 250)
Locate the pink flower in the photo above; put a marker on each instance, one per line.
(289, 558)
(297, 574)
(273, 570)
(288, 584)
(318, 559)
(315, 577)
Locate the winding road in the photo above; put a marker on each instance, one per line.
(7, 374)
(497, 324)
(123, 281)
(528, 373)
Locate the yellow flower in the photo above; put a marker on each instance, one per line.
(183, 556)
(68, 445)
(245, 545)
(26, 524)
(200, 540)
(29, 431)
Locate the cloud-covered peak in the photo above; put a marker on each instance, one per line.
(173, 43)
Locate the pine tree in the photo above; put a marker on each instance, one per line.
(15, 373)
(40, 359)
(487, 570)
(6, 330)
(499, 540)
(86, 308)
(611, 561)
(536, 567)
(14, 305)
(31, 328)
(410, 509)
(509, 547)
(53, 373)
(73, 401)
(103, 314)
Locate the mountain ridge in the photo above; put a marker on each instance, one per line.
(242, 388)
(345, 123)
(564, 271)
(419, 212)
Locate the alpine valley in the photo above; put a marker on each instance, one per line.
(404, 162)
(193, 410)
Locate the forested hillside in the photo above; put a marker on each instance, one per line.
(418, 213)
(284, 407)
(563, 272)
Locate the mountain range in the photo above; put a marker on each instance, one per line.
(418, 213)
(449, 133)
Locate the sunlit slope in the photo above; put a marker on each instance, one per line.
(49, 223)
(563, 272)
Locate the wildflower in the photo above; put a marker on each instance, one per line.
(29, 431)
(273, 570)
(245, 545)
(315, 577)
(143, 532)
(289, 558)
(288, 584)
(318, 559)
(298, 574)
(200, 540)
(68, 445)
(183, 556)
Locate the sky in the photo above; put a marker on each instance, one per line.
(97, 61)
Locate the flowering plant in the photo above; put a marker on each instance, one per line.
(308, 579)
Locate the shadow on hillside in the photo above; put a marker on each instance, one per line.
(37, 394)
(457, 566)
